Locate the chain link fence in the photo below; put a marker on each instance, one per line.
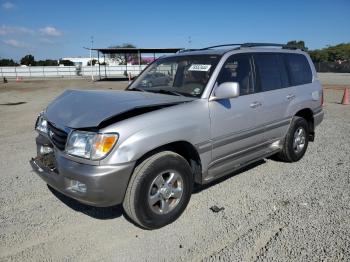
(332, 67)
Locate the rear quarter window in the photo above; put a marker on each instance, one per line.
(298, 68)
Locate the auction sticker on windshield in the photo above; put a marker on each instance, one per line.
(199, 67)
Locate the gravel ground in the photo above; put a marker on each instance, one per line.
(335, 78)
(273, 211)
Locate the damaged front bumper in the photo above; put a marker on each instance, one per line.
(95, 185)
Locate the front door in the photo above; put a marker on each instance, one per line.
(236, 124)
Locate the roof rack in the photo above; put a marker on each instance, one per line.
(246, 45)
(261, 44)
(187, 50)
(284, 46)
(215, 46)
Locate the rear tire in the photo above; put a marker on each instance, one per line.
(159, 190)
(296, 141)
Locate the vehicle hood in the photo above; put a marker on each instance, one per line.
(87, 109)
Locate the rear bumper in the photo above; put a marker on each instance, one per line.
(318, 117)
(105, 185)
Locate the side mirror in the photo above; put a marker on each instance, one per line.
(225, 91)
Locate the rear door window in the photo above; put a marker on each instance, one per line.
(299, 70)
(268, 70)
(283, 70)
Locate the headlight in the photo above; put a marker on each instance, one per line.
(41, 124)
(90, 145)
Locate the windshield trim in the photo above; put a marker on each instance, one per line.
(160, 60)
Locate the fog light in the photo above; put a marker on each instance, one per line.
(44, 150)
(77, 186)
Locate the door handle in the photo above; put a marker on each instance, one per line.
(290, 96)
(255, 104)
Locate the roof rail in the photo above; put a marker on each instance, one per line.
(187, 50)
(284, 46)
(261, 44)
(245, 45)
(215, 46)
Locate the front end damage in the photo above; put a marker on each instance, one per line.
(79, 176)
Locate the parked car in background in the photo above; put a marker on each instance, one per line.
(207, 113)
(155, 79)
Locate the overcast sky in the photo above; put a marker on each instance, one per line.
(56, 29)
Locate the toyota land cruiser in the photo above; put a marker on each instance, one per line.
(187, 118)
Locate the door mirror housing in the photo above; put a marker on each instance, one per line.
(225, 90)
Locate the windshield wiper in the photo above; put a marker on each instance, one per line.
(137, 89)
(161, 91)
(166, 91)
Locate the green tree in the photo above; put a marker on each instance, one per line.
(7, 62)
(120, 58)
(28, 60)
(94, 61)
(66, 63)
(319, 56)
(47, 62)
(297, 44)
(340, 52)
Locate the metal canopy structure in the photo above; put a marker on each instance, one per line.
(125, 51)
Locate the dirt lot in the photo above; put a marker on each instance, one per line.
(273, 210)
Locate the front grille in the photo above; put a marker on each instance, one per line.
(49, 161)
(57, 136)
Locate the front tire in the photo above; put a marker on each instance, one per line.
(296, 141)
(159, 190)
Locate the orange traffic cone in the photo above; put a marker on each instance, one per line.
(345, 100)
(322, 99)
(18, 79)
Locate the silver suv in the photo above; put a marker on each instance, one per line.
(219, 109)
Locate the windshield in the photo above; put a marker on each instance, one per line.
(180, 75)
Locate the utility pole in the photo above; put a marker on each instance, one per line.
(189, 42)
(92, 45)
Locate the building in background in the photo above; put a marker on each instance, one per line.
(83, 61)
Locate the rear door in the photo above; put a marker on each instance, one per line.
(275, 95)
(305, 93)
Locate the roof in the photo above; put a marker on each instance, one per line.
(123, 50)
(251, 47)
(221, 52)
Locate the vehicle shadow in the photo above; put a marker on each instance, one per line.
(200, 188)
(102, 213)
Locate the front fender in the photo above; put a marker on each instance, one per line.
(151, 138)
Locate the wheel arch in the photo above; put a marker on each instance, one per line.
(184, 149)
(308, 115)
